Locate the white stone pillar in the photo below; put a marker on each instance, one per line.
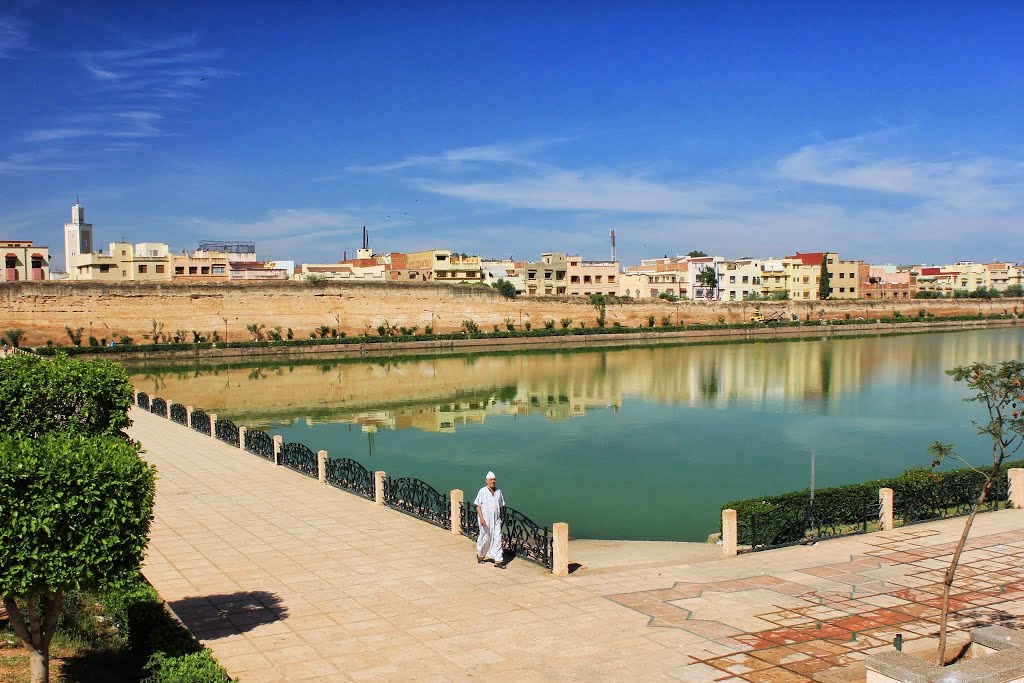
(885, 510)
(560, 549)
(278, 445)
(213, 425)
(378, 486)
(1016, 477)
(321, 466)
(456, 496)
(241, 437)
(730, 533)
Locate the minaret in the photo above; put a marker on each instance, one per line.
(77, 239)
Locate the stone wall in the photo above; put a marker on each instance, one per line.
(110, 310)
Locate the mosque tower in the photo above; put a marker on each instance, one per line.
(77, 239)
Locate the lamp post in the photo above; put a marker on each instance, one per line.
(225, 327)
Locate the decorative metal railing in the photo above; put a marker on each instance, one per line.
(158, 406)
(201, 422)
(351, 476)
(227, 431)
(520, 535)
(298, 457)
(948, 497)
(259, 443)
(419, 499)
(810, 522)
(179, 414)
(142, 400)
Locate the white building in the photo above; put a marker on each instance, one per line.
(77, 239)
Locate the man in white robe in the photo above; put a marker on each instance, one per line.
(489, 504)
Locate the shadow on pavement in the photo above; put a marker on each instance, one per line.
(215, 616)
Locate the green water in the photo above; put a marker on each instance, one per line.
(637, 443)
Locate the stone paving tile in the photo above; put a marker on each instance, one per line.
(287, 579)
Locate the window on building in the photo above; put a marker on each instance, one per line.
(143, 269)
(179, 270)
(586, 280)
(124, 253)
(842, 275)
(745, 279)
(853, 290)
(37, 263)
(206, 270)
(732, 279)
(440, 257)
(806, 279)
(547, 274)
(124, 273)
(575, 279)
(193, 270)
(611, 278)
(11, 262)
(732, 294)
(807, 295)
(842, 290)
(531, 274)
(218, 270)
(598, 278)
(104, 269)
(159, 269)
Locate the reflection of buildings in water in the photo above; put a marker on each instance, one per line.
(443, 394)
(446, 418)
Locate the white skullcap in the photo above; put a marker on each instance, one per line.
(490, 475)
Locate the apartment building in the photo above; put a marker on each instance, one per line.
(124, 262)
(805, 275)
(442, 265)
(592, 277)
(24, 260)
(547, 277)
(889, 283)
(698, 264)
(741, 279)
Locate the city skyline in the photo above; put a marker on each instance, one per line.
(755, 132)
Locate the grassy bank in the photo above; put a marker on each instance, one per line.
(554, 335)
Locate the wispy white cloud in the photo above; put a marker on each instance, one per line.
(49, 159)
(136, 94)
(589, 191)
(13, 35)
(981, 182)
(514, 153)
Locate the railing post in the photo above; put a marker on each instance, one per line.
(560, 549)
(188, 416)
(730, 535)
(378, 486)
(241, 437)
(456, 496)
(321, 466)
(213, 425)
(1015, 476)
(278, 444)
(885, 510)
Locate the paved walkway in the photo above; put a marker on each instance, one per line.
(287, 579)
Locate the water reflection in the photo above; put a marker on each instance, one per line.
(642, 443)
(443, 394)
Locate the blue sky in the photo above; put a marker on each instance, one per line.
(886, 131)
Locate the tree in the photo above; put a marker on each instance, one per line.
(256, 330)
(1014, 291)
(76, 516)
(825, 281)
(708, 279)
(1000, 389)
(38, 396)
(74, 334)
(695, 254)
(598, 302)
(14, 336)
(505, 288)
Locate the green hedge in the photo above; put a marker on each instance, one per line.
(781, 519)
(157, 644)
(504, 334)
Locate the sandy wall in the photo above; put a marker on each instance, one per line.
(110, 310)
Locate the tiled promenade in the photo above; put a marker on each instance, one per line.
(287, 579)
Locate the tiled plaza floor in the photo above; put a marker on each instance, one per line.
(288, 579)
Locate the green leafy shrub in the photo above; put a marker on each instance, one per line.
(197, 667)
(63, 395)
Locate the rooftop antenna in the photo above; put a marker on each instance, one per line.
(613, 243)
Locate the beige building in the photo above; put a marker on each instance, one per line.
(805, 275)
(592, 277)
(147, 262)
(441, 265)
(740, 279)
(201, 267)
(547, 277)
(24, 260)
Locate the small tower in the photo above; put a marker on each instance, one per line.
(77, 239)
(365, 252)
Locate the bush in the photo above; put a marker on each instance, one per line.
(63, 395)
(566, 322)
(197, 667)
(549, 324)
(505, 288)
(650, 321)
